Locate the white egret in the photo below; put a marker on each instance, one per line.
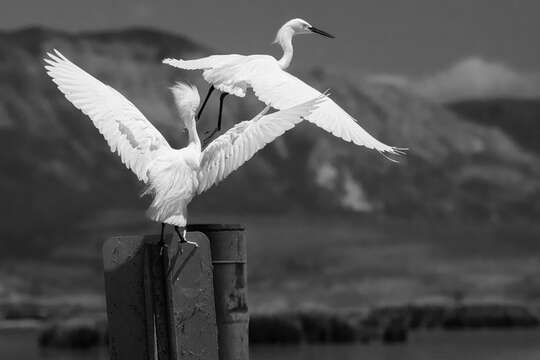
(172, 176)
(266, 75)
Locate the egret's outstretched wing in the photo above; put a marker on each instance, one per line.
(281, 90)
(230, 150)
(209, 62)
(124, 127)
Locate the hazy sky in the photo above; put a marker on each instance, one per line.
(401, 36)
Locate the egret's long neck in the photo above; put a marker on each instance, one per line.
(284, 38)
(194, 140)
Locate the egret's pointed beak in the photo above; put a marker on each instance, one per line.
(320, 32)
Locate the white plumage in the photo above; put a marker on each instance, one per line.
(173, 176)
(266, 75)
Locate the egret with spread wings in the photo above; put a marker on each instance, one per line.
(266, 75)
(172, 176)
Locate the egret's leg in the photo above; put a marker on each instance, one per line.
(221, 98)
(218, 128)
(182, 239)
(210, 90)
(189, 242)
(185, 260)
(162, 239)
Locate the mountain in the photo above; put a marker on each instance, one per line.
(519, 118)
(57, 171)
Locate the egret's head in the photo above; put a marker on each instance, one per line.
(298, 26)
(186, 98)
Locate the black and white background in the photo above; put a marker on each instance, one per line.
(331, 227)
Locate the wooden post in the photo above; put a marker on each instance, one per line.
(160, 304)
(229, 258)
(127, 311)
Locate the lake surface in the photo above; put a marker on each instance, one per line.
(463, 345)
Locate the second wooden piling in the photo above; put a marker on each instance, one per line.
(229, 259)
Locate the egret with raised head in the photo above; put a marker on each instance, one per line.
(172, 176)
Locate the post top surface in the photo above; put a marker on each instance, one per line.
(214, 227)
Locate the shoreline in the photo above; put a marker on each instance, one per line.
(380, 324)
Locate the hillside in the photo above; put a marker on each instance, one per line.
(57, 172)
(519, 118)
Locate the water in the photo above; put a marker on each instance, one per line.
(464, 345)
(23, 345)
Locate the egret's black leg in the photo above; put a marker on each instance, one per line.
(218, 128)
(221, 98)
(162, 239)
(179, 234)
(181, 239)
(210, 90)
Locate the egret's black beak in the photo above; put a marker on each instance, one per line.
(320, 32)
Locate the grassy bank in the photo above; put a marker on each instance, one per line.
(379, 324)
(386, 323)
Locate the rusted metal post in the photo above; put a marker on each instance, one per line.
(229, 258)
(160, 304)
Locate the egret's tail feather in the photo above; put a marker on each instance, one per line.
(205, 63)
(187, 65)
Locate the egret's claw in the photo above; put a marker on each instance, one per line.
(192, 243)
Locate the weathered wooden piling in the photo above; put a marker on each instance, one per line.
(171, 305)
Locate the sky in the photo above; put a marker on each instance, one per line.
(411, 37)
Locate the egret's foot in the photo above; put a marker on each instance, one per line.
(195, 245)
(190, 242)
(182, 240)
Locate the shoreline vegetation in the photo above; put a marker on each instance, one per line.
(70, 327)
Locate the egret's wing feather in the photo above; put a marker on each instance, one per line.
(208, 62)
(124, 127)
(230, 150)
(282, 90)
